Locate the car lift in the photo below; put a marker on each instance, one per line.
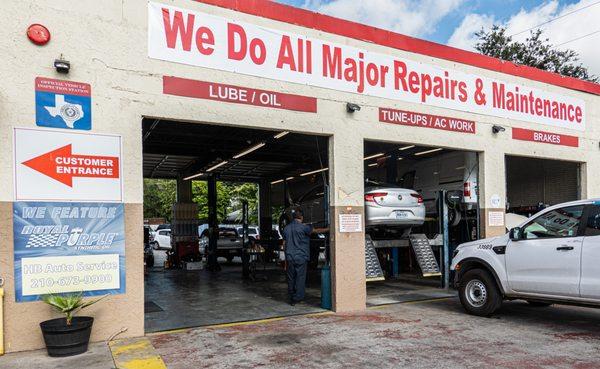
(421, 245)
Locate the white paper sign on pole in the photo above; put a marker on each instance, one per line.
(52, 165)
(350, 223)
(496, 218)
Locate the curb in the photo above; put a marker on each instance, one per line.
(135, 353)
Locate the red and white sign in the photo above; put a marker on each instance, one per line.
(66, 166)
(200, 39)
(544, 137)
(409, 118)
(63, 87)
(238, 95)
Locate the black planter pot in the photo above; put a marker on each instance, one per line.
(67, 340)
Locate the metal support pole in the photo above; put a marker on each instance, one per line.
(245, 241)
(265, 212)
(213, 225)
(446, 247)
(396, 262)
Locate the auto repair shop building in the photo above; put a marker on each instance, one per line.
(249, 64)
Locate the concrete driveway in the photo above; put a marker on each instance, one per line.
(427, 334)
(434, 334)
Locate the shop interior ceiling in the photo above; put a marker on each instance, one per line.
(172, 148)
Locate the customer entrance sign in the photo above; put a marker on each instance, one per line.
(68, 247)
(67, 166)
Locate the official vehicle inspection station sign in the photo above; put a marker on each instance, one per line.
(53, 165)
(68, 247)
(200, 39)
(63, 104)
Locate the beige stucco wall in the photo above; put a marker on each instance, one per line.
(106, 43)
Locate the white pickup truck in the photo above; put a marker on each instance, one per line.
(553, 257)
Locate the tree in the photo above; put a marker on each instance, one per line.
(535, 51)
(159, 196)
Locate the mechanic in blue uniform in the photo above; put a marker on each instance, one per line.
(296, 244)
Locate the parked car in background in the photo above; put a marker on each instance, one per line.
(229, 243)
(162, 240)
(552, 257)
(253, 232)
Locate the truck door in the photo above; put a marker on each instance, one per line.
(590, 255)
(547, 259)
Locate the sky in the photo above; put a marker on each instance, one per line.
(573, 24)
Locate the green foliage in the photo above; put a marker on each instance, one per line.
(160, 194)
(68, 303)
(535, 51)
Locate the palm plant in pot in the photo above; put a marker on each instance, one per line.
(69, 335)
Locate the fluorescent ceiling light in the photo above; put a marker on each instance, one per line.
(289, 178)
(281, 134)
(313, 172)
(373, 165)
(248, 151)
(406, 147)
(400, 158)
(193, 176)
(428, 151)
(277, 181)
(459, 168)
(374, 156)
(216, 166)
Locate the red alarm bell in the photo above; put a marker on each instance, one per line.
(38, 34)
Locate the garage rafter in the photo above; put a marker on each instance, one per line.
(173, 149)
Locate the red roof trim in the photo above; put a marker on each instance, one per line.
(305, 18)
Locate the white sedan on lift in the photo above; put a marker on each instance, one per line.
(390, 208)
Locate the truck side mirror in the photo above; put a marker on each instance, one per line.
(516, 234)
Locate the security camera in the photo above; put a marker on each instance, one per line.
(497, 129)
(62, 66)
(351, 108)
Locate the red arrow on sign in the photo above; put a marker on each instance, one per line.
(62, 165)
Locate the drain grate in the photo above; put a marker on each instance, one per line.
(151, 307)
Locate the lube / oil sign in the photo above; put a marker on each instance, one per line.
(200, 39)
(237, 94)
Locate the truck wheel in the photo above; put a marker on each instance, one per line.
(478, 293)
(538, 303)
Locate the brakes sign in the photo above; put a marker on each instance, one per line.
(544, 137)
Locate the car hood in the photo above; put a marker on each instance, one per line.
(498, 240)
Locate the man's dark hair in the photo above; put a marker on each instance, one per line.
(298, 214)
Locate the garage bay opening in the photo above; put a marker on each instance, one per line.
(533, 184)
(216, 200)
(420, 203)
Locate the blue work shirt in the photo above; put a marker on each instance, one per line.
(297, 241)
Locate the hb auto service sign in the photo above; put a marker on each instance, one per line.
(200, 39)
(54, 165)
(68, 247)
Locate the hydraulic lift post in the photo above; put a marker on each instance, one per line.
(445, 257)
